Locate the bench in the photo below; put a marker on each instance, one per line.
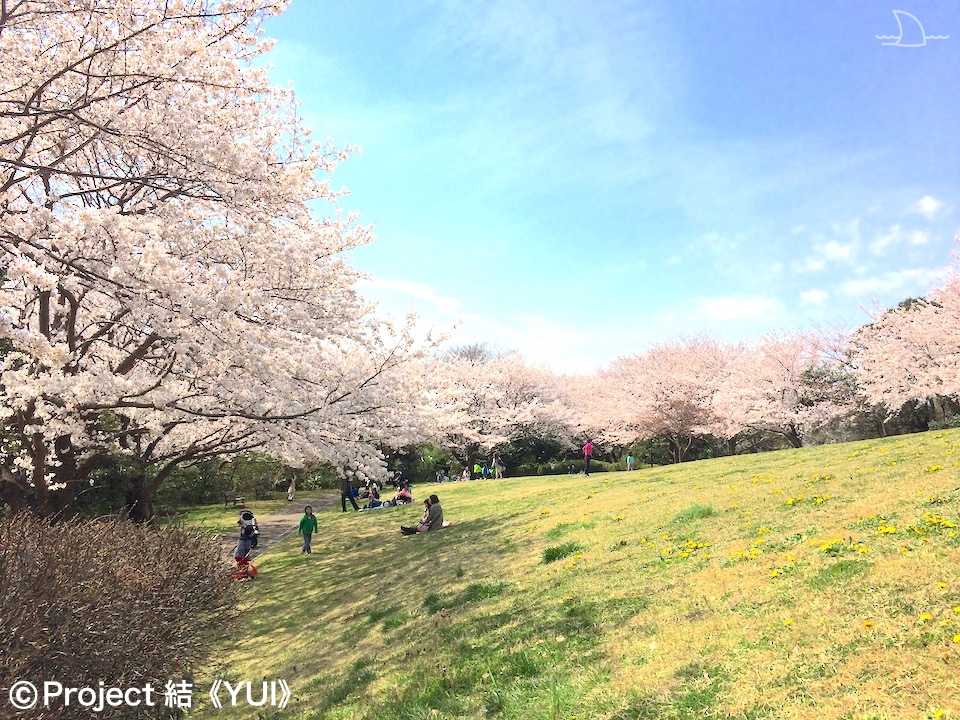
(262, 493)
(235, 498)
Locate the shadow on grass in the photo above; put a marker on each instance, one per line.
(436, 602)
(468, 640)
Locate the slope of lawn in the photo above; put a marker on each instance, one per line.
(814, 583)
(216, 519)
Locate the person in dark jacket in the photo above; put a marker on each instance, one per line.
(346, 492)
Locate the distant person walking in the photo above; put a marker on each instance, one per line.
(498, 466)
(630, 462)
(346, 493)
(308, 526)
(587, 454)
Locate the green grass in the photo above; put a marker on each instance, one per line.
(811, 583)
(218, 520)
(694, 512)
(558, 552)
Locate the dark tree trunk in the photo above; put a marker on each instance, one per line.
(679, 445)
(13, 491)
(793, 436)
(140, 499)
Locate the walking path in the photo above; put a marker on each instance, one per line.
(279, 525)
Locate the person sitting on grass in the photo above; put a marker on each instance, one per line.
(403, 496)
(432, 518)
(374, 501)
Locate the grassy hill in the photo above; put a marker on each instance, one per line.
(812, 583)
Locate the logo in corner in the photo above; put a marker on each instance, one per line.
(215, 694)
(898, 40)
(285, 698)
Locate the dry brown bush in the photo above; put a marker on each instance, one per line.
(106, 600)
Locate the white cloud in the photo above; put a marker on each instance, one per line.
(928, 206)
(838, 251)
(420, 291)
(844, 249)
(812, 264)
(896, 235)
(919, 280)
(731, 308)
(814, 296)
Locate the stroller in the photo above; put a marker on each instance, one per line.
(247, 520)
(245, 570)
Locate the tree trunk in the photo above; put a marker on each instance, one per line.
(793, 436)
(140, 499)
(13, 491)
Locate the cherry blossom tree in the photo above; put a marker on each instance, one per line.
(911, 353)
(483, 400)
(785, 385)
(166, 291)
(666, 391)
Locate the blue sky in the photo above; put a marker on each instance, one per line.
(578, 180)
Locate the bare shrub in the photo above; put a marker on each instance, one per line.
(106, 600)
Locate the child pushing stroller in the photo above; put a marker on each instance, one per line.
(247, 520)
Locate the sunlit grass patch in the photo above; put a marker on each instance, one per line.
(821, 616)
(694, 512)
(563, 528)
(839, 572)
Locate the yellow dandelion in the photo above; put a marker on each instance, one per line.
(941, 585)
(788, 622)
(869, 624)
(926, 617)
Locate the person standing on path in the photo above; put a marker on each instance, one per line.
(346, 492)
(308, 526)
(587, 454)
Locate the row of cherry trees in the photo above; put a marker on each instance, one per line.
(793, 386)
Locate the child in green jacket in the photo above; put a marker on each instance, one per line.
(308, 526)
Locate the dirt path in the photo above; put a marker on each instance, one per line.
(279, 525)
